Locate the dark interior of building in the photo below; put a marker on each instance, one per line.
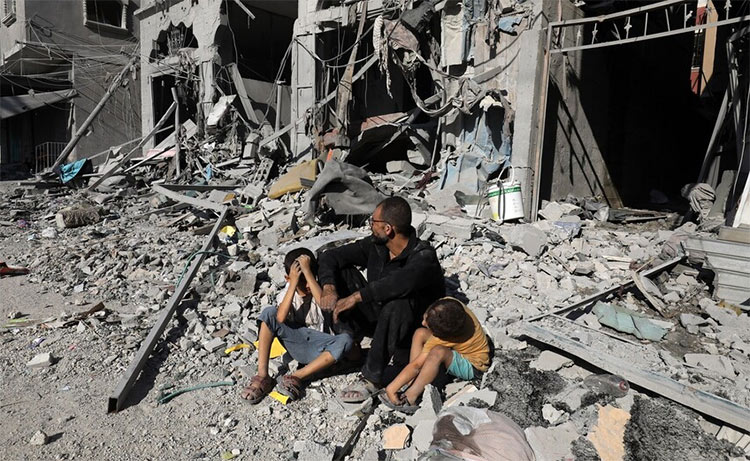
(162, 92)
(633, 104)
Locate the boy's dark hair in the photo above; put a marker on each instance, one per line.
(446, 318)
(296, 253)
(396, 212)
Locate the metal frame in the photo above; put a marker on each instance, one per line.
(556, 47)
(117, 400)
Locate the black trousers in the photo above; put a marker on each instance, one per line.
(390, 325)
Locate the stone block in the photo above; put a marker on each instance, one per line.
(214, 345)
(41, 361)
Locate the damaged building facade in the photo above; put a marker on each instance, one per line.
(57, 61)
(540, 94)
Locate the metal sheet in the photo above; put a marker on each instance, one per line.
(117, 399)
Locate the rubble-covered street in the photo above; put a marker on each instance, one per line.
(607, 261)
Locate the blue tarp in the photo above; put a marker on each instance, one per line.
(71, 170)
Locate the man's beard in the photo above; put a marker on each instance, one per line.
(379, 240)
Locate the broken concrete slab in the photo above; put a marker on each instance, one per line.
(552, 415)
(550, 361)
(552, 443)
(422, 435)
(214, 345)
(717, 363)
(308, 450)
(626, 321)
(527, 238)
(571, 397)
(428, 409)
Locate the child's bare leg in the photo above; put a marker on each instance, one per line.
(439, 355)
(265, 338)
(321, 362)
(421, 335)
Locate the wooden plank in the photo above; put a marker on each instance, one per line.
(239, 86)
(701, 401)
(117, 399)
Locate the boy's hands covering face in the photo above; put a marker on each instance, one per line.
(294, 273)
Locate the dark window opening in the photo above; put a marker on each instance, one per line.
(108, 12)
(172, 40)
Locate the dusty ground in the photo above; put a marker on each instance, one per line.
(68, 400)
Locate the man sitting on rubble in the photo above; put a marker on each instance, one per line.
(403, 278)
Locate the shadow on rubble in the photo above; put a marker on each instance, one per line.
(453, 288)
(147, 378)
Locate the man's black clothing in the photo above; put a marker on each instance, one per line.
(394, 297)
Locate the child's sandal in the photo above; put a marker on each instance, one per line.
(290, 386)
(402, 405)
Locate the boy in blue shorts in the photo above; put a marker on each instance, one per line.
(302, 329)
(452, 337)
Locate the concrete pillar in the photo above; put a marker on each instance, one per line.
(303, 86)
(527, 100)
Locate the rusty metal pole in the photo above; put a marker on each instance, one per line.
(177, 131)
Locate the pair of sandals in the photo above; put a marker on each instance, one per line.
(288, 385)
(364, 389)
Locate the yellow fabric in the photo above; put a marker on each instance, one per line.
(236, 347)
(276, 348)
(476, 349)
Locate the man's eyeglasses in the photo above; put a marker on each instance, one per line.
(371, 220)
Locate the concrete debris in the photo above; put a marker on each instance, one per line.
(263, 145)
(38, 439)
(716, 363)
(527, 238)
(43, 360)
(308, 450)
(549, 361)
(552, 443)
(552, 415)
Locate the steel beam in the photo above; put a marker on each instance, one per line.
(117, 399)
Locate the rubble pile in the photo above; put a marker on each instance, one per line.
(610, 341)
(132, 259)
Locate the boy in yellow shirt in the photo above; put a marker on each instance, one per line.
(451, 337)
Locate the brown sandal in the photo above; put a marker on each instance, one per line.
(257, 388)
(290, 386)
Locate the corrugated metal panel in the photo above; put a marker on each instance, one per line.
(730, 261)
